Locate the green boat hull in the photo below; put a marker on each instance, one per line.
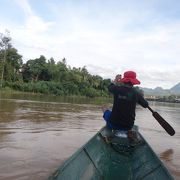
(113, 159)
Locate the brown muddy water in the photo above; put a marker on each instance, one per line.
(37, 133)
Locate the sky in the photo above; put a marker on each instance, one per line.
(109, 37)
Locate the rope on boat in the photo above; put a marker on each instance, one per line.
(122, 148)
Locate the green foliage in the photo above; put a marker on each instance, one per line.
(46, 76)
(90, 92)
(35, 70)
(50, 87)
(10, 60)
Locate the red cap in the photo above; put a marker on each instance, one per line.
(130, 76)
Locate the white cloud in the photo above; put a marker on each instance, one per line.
(31, 38)
(36, 25)
(25, 6)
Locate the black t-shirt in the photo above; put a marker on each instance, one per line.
(124, 105)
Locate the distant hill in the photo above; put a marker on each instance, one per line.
(159, 91)
(175, 89)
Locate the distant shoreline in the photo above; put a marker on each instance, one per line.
(161, 100)
(10, 90)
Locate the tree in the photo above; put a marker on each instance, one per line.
(10, 60)
(61, 71)
(63, 80)
(96, 81)
(13, 65)
(4, 43)
(35, 69)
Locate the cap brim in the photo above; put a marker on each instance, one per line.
(133, 81)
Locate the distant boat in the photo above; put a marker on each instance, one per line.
(107, 157)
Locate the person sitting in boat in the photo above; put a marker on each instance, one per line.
(122, 116)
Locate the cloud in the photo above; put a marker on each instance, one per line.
(25, 6)
(108, 38)
(31, 37)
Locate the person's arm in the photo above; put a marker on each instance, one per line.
(112, 87)
(142, 101)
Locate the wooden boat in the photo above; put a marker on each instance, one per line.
(109, 157)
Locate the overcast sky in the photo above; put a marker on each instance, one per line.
(107, 36)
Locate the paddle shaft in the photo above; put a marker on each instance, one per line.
(150, 109)
(162, 122)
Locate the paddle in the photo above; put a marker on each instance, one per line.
(162, 122)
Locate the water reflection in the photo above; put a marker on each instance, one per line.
(167, 155)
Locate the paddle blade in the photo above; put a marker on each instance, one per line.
(164, 124)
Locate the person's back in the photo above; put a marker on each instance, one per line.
(125, 98)
(124, 105)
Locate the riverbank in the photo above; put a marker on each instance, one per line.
(164, 100)
(13, 94)
(98, 99)
(64, 88)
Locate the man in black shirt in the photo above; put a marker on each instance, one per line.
(126, 96)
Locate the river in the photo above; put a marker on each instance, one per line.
(38, 132)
